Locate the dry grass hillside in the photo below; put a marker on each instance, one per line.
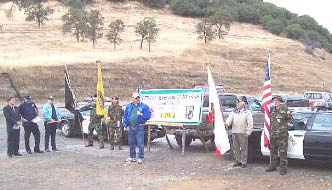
(36, 57)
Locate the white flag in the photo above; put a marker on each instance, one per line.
(220, 134)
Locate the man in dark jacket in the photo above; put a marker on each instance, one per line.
(135, 116)
(13, 120)
(29, 113)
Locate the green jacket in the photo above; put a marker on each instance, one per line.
(115, 113)
(93, 117)
(280, 118)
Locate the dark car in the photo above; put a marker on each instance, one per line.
(310, 137)
(70, 127)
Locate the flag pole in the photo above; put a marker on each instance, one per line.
(78, 117)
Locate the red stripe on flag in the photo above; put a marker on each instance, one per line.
(218, 154)
(267, 87)
(267, 95)
(267, 125)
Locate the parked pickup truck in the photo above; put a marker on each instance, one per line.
(297, 103)
(228, 103)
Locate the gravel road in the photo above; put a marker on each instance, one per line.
(77, 167)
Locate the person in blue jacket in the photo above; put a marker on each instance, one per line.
(135, 116)
(52, 116)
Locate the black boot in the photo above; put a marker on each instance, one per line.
(90, 144)
(283, 171)
(120, 147)
(236, 164)
(112, 147)
(101, 145)
(271, 169)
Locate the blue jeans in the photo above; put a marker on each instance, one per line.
(136, 137)
(50, 131)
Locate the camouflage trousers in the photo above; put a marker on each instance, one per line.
(116, 135)
(281, 146)
(99, 130)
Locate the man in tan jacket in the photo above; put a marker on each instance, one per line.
(241, 122)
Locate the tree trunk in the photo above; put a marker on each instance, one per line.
(94, 43)
(141, 46)
(219, 32)
(114, 45)
(149, 45)
(39, 23)
(78, 37)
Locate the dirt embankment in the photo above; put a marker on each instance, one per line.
(36, 57)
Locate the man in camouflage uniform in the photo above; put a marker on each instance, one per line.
(115, 112)
(280, 118)
(95, 124)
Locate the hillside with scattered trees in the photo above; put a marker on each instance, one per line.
(147, 45)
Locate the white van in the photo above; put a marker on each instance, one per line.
(319, 99)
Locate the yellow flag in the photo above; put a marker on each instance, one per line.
(100, 106)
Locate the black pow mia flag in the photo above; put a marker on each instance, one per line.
(70, 101)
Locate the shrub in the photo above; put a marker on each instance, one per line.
(294, 31)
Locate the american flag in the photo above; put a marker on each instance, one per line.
(266, 102)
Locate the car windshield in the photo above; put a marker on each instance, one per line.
(220, 90)
(297, 103)
(225, 100)
(254, 104)
(228, 100)
(301, 117)
(323, 122)
(313, 95)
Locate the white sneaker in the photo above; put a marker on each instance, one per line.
(131, 159)
(140, 161)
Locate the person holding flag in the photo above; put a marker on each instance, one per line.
(98, 112)
(95, 124)
(280, 118)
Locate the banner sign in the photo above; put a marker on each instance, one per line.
(174, 105)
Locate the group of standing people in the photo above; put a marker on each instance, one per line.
(26, 115)
(132, 119)
(241, 122)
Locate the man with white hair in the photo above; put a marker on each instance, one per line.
(135, 116)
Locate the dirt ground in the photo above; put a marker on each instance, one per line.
(77, 167)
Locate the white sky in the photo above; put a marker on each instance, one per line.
(320, 10)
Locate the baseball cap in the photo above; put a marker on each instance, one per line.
(277, 97)
(28, 96)
(50, 98)
(135, 95)
(238, 100)
(115, 97)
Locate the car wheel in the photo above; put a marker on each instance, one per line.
(66, 129)
(188, 141)
(251, 153)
